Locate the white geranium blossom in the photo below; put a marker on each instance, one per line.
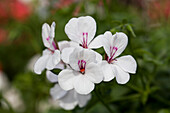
(11, 94)
(83, 72)
(82, 31)
(4, 83)
(120, 67)
(67, 99)
(51, 55)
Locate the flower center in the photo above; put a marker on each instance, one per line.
(85, 38)
(112, 53)
(82, 65)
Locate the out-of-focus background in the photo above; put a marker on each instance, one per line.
(146, 22)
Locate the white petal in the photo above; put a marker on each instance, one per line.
(98, 57)
(107, 42)
(69, 101)
(66, 53)
(74, 58)
(51, 76)
(83, 85)
(63, 44)
(122, 77)
(53, 60)
(50, 64)
(41, 64)
(46, 52)
(71, 29)
(45, 34)
(127, 63)
(66, 44)
(83, 99)
(87, 24)
(57, 92)
(108, 72)
(60, 65)
(74, 44)
(97, 42)
(108, 35)
(88, 55)
(94, 73)
(56, 57)
(66, 79)
(52, 32)
(120, 40)
(77, 26)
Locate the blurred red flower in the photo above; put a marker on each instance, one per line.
(14, 9)
(19, 10)
(4, 15)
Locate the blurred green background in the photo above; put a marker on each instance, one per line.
(146, 22)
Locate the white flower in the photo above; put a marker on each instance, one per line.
(4, 83)
(83, 72)
(51, 56)
(11, 94)
(120, 67)
(82, 31)
(67, 99)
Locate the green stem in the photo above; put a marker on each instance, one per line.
(133, 87)
(102, 101)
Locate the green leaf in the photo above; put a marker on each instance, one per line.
(144, 97)
(164, 111)
(129, 28)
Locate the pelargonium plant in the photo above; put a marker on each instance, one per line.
(82, 67)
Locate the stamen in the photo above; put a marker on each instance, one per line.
(112, 53)
(54, 45)
(85, 38)
(82, 65)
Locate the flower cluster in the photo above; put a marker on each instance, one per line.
(81, 66)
